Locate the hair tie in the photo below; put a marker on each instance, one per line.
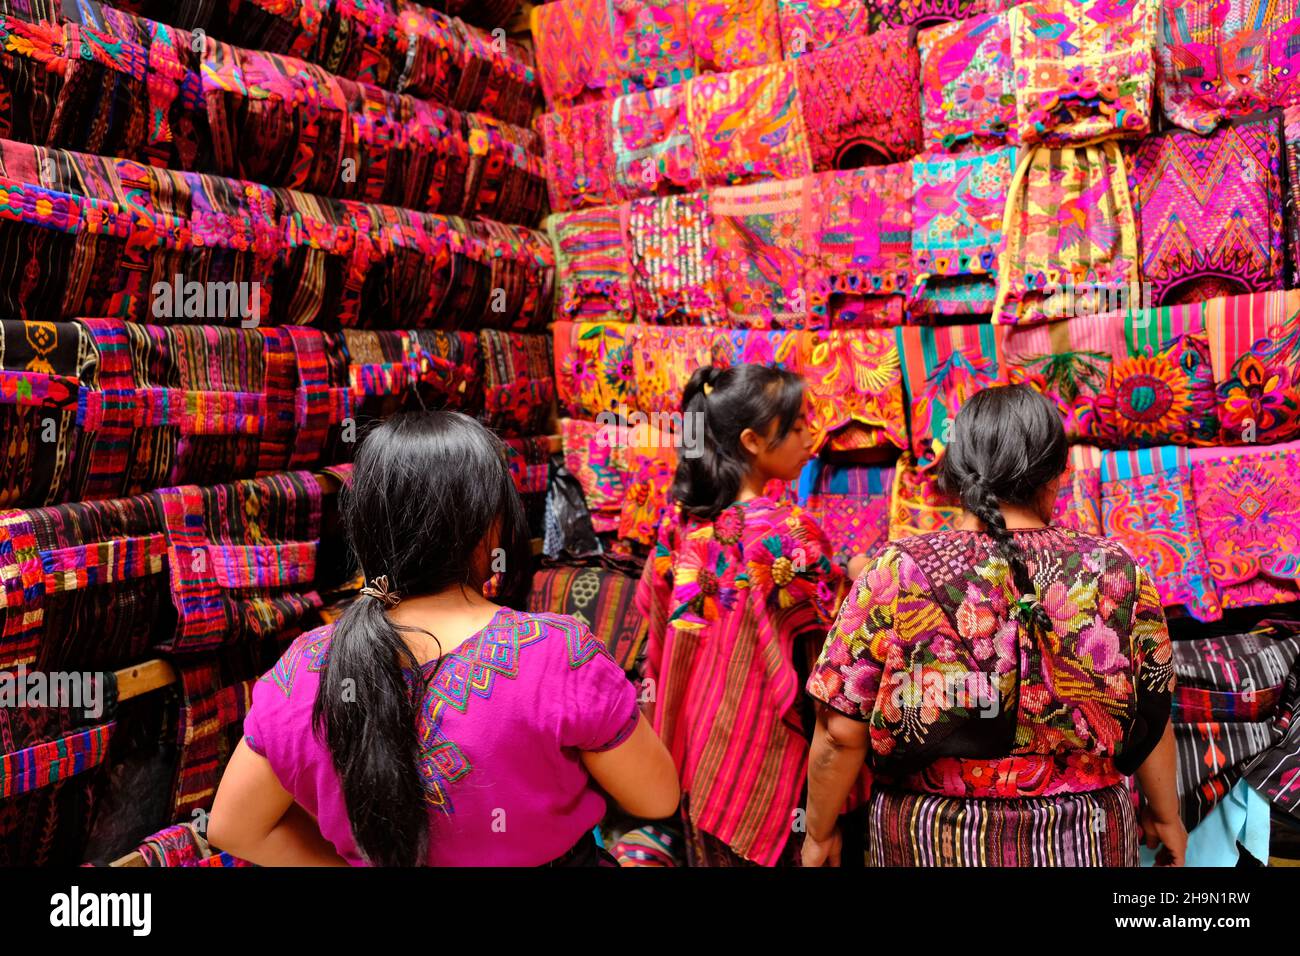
(708, 389)
(1030, 609)
(378, 589)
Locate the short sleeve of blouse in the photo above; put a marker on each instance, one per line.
(599, 705)
(848, 672)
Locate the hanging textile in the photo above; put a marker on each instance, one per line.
(728, 35)
(905, 13)
(1078, 504)
(650, 459)
(1275, 773)
(652, 143)
(664, 359)
(1147, 506)
(1291, 197)
(48, 795)
(861, 101)
(673, 260)
(580, 159)
(448, 371)
(758, 231)
(591, 261)
(242, 558)
(322, 398)
(28, 63)
(1248, 509)
(749, 125)
(83, 584)
(967, 83)
(592, 455)
(851, 503)
(1069, 361)
(854, 383)
(859, 234)
(519, 381)
(1161, 389)
(652, 43)
(210, 726)
(957, 216)
(42, 368)
(916, 505)
(576, 57)
(811, 25)
(1222, 59)
(601, 599)
(594, 370)
(1084, 69)
(380, 367)
(1211, 211)
(1070, 229)
(1255, 351)
(942, 367)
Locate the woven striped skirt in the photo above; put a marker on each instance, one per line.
(1098, 828)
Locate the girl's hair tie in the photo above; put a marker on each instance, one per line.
(1029, 609)
(708, 389)
(378, 589)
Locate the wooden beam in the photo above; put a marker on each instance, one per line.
(143, 678)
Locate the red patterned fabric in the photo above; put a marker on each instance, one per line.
(861, 101)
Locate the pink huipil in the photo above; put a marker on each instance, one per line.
(502, 723)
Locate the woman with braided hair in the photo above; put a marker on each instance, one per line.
(1000, 680)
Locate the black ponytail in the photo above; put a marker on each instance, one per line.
(427, 490)
(1006, 445)
(727, 401)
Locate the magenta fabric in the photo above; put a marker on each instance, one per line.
(503, 722)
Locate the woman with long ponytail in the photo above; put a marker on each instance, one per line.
(738, 595)
(430, 724)
(999, 680)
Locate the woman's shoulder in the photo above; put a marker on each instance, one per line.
(571, 640)
(301, 663)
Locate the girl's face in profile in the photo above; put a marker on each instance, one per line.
(786, 459)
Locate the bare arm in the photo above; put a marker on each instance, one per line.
(1162, 824)
(638, 773)
(839, 748)
(255, 819)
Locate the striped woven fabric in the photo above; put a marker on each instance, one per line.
(87, 251)
(180, 845)
(448, 369)
(82, 584)
(210, 726)
(1235, 678)
(401, 46)
(650, 845)
(519, 387)
(604, 600)
(48, 794)
(1096, 828)
(42, 369)
(53, 761)
(241, 558)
